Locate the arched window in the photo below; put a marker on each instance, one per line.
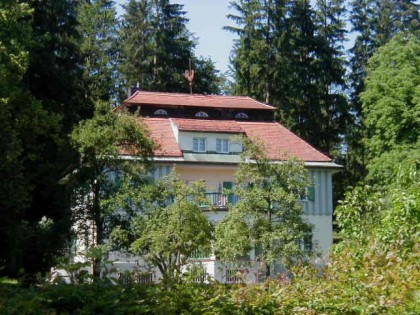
(241, 116)
(202, 114)
(160, 112)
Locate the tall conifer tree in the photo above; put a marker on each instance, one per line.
(174, 47)
(98, 28)
(302, 112)
(44, 102)
(157, 49)
(138, 47)
(330, 73)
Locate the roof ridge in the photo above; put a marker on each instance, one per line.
(202, 97)
(195, 94)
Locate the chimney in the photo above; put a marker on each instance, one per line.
(133, 89)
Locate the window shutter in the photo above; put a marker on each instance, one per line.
(195, 145)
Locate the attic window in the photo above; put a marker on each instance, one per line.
(160, 112)
(241, 116)
(202, 114)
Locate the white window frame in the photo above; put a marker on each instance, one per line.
(201, 145)
(222, 145)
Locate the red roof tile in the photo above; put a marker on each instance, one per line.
(278, 140)
(195, 100)
(281, 143)
(204, 125)
(163, 135)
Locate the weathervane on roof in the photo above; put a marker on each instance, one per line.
(189, 75)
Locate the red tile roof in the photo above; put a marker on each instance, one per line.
(195, 100)
(163, 135)
(282, 143)
(278, 140)
(204, 125)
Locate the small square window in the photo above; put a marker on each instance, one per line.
(222, 146)
(309, 194)
(199, 144)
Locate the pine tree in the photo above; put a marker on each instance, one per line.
(383, 22)
(174, 48)
(406, 16)
(138, 46)
(54, 78)
(157, 48)
(302, 112)
(362, 19)
(55, 59)
(207, 79)
(375, 23)
(98, 29)
(247, 58)
(330, 70)
(32, 205)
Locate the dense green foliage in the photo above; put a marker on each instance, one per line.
(35, 120)
(98, 27)
(99, 142)
(167, 227)
(268, 215)
(391, 109)
(374, 22)
(171, 233)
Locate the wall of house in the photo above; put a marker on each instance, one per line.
(213, 175)
(321, 233)
(322, 184)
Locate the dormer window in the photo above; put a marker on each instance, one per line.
(241, 116)
(160, 112)
(222, 145)
(199, 145)
(202, 115)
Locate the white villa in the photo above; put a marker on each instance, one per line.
(196, 134)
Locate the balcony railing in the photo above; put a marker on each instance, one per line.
(219, 200)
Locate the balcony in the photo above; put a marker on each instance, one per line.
(219, 201)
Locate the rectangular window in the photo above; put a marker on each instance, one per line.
(309, 194)
(222, 145)
(199, 144)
